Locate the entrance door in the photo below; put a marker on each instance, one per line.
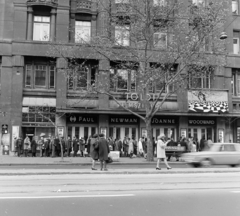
(81, 132)
(121, 132)
(198, 133)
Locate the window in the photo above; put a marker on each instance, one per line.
(81, 77)
(199, 2)
(235, 7)
(41, 28)
(236, 35)
(160, 40)
(82, 31)
(39, 75)
(122, 35)
(122, 80)
(227, 148)
(47, 114)
(235, 82)
(121, 1)
(200, 77)
(159, 2)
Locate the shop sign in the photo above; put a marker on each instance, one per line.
(165, 121)
(201, 122)
(208, 101)
(123, 120)
(82, 119)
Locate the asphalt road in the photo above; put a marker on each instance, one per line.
(169, 194)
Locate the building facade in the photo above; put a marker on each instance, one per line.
(33, 82)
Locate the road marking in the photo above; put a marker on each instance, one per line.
(64, 197)
(235, 191)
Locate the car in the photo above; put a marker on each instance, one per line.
(218, 154)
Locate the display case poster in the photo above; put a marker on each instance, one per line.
(144, 132)
(15, 135)
(61, 131)
(221, 135)
(183, 132)
(103, 130)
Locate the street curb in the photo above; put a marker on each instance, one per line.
(80, 164)
(118, 172)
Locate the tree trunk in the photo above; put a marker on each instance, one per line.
(150, 156)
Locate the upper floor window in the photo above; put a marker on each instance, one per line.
(122, 35)
(81, 76)
(159, 2)
(160, 40)
(235, 82)
(82, 31)
(199, 2)
(235, 7)
(122, 80)
(40, 75)
(41, 28)
(236, 35)
(200, 77)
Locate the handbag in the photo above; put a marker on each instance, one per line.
(109, 160)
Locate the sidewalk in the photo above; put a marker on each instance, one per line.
(80, 162)
(13, 160)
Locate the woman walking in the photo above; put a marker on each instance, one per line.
(161, 154)
(94, 150)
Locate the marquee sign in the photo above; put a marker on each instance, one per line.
(208, 101)
(201, 122)
(164, 120)
(123, 120)
(82, 119)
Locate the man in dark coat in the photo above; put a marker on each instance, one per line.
(19, 144)
(75, 146)
(69, 146)
(57, 146)
(34, 147)
(103, 150)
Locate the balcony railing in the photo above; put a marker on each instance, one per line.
(42, 2)
(84, 5)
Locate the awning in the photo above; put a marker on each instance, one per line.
(36, 101)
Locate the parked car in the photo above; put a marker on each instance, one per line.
(218, 154)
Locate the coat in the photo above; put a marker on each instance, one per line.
(19, 144)
(103, 149)
(161, 149)
(94, 148)
(75, 145)
(34, 146)
(27, 143)
(130, 146)
(82, 145)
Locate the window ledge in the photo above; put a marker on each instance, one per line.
(39, 92)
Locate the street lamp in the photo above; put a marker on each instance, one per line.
(223, 36)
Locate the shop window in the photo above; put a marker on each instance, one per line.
(41, 28)
(40, 75)
(200, 77)
(122, 35)
(47, 114)
(122, 80)
(235, 7)
(77, 132)
(235, 82)
(82, 31)
(81, 76)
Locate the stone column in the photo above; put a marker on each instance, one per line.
(53, 24)
(30, 23)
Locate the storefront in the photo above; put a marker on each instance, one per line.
(121, 126)
(82, 125)
(201, 127)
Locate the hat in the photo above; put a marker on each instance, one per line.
(161, 136)
(42, 134)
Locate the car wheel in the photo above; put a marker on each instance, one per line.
(233, 165)
(196, 165)
(206, 162)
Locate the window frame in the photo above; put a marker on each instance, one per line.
(235, 6)
(82, 41)
(31, 67)
(166, 42)
(41, 26)
(120, 30)
(236, 38)
(235, 82)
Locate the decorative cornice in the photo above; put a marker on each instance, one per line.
(50, 3)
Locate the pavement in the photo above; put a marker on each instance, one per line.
(16, 162)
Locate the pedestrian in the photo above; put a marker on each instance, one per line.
(202, 143)
(63, 146)
(41, 145)
(53, 144)
(75, 146)
(15, 146)
(34, 147)
(46, 145)
(161, 154)
(69, 146)
(210, 143)
(135, 146)
(88, 145)
(154, 145)
(190, 144)
(103, 151)
(26, 145)
(82, 146)
(140, 148)
(125, 146)
(171, 143)
(19, 144)
(94, 148)
(110, 143)
(130, 147)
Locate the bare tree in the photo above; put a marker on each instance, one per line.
(160, 46)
